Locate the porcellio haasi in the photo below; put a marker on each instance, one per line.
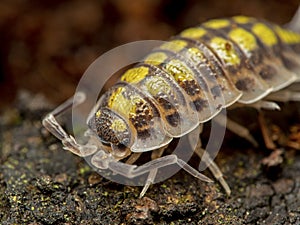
(180, 85)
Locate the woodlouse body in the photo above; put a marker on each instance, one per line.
(189, 79)
(179, 85)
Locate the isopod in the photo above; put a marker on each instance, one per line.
(182, 84)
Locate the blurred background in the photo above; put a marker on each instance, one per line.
(46, 45)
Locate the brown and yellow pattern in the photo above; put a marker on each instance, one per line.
(190, 78)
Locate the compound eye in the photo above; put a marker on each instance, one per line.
(111, 128)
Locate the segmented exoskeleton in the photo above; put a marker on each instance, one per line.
(181, 84)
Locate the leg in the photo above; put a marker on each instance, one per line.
(237, 129)
(243, 131)
(133, 157)
(159, 152)
(155, 154)
(68, 141)
(152, 174)
(214, 169)
(269, 105)
(284, 96)
(149, 181)
(101, 160)
(265, 131)
(262, 104)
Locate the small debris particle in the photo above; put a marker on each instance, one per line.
(283, 186)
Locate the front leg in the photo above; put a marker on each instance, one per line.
(68, 141)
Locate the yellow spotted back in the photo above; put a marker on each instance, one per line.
(190, 78)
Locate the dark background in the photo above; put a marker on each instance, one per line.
(47, 45)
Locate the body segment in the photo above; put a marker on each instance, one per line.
(190, 78)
